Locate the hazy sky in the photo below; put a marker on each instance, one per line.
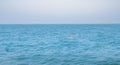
(59, 11)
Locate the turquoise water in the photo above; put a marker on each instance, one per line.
(60, 44)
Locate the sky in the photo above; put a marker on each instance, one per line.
(59, 11)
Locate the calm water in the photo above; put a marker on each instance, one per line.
(59, 44)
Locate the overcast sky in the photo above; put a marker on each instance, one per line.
(59, 11)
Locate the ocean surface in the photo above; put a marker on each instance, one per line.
(60, 44)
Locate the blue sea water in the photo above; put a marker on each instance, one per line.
(60, 44)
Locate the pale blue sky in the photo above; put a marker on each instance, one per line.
(59, 11)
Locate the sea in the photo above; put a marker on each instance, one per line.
(59, 44)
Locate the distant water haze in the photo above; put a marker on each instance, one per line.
(59, 11)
